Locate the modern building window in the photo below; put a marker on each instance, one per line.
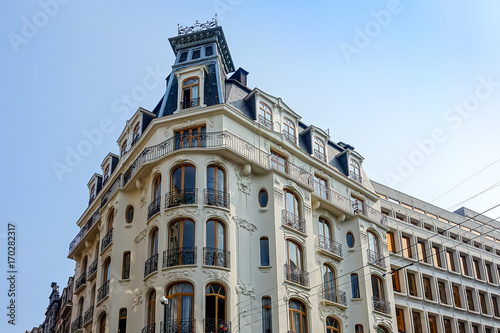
(129, 214)
(181, 306)
(390, 242)
(422, 255)
(215, 308)
(355, 171)
(470, 300)
(482, 300)
(406, 247)
(181, 243)
(355, 285)
(489, 273)
(332, 325)
(477, 270)
(264, 251)
(436, 256)
(456, 296)
(412, 285)
(216, 244)
(190, 92)
(278, 161)
(432, 324)
(151, 308)
(123, 149)
(216, 187)
(265, 115)
(358, 328)
(182, 186)
(319, 149)
(463, 265)
(320, 186)
(396, 285)
(350, 240)
(126, 266)
(190, 138)
(417, 322)
(451, 261)
(427, 288)
(400, 320)
(447, 325)
(442, 292)
(102, 324)
(289, 129)
(136, 134)
(298, 316)
(267, 325)
(263, 198)
(294, 262)
(122, 321)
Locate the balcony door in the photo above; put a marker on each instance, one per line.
(215, 308)
(180, 299)
(216, 186)
(183, 186)
(181, 243)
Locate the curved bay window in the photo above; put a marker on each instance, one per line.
(289, 129)
(181, 306)
(151, 265)
(294, 269)
(181, 248)
(215, 252)
(319, 149)
(378, 290)
(265, 115)
(332, 325)
(298, 316)
(355, 171)
(150, 315)
(216, 193)
(215, 309)
(182, 188)
(190, 93)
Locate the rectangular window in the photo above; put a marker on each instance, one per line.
(432, 324)
(451, 261)
(354, 285)
(396, 286)
(400, 319)
(477, 271)
(461, 327)
(470, 300)
(463, 265)
(489, 273)
(196, 54)
(209, 50)
(320, 186)
(482, 299)
(190, 138)
(264, 251)
(447, 326)
(406, 247)
(126, 266)
(412, 285)
(456, 297)
(442, 292)
(427, 288)
(417, 322)
(475, 329)
(278, 161)
(436, 256)
(422, 256)
(390, 242)
(183, 57)
(494, 301)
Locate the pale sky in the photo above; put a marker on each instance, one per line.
(414, 86)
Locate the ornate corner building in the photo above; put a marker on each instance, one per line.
(243, 217)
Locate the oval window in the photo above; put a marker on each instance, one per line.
(263, 198)
(129, 214)
(350, 240)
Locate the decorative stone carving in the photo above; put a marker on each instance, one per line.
(142, 202)
(328, 310)
(216, 158)
(211, 122)
(178, 274)
(166, 131)
(307, 209)
(150, 281)
(217, 212)
(174, 212)
(293, 292)
(216, 274)
(141, 236)
(137, 298)
(242, 223)
(243, 181)
(245, 289)
(279, 194)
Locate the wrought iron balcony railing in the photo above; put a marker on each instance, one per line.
(179, 326)
(319, 155)
(356, 177)
(89, 314)
(266, 122)
(294, 221)
(216, 257)
(331, 294)
(329, 245)
(187, 196)
(81, 281)
(106, 240)
(381, 305)
(149, 329)
(289, 137)
(216, 198)
(186, 104)
(296, 275)
(295, 172)
(83, 231)
(92, 268)
(76, 324)
(332, 196)
(179, 256)
(103, 291)
(211, 325)
(375, 258)
(151, 265)
(154, 207)
(371, 213)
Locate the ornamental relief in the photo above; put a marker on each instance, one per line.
(141, 236)
(242, 223)
(216, 274)
(176, 274)
(293, 292)
(243, 181)
(137, 298)
(279, 194)
(329, 310)
(245, 289)
(178, 212)
(150, 282)
(217, 213)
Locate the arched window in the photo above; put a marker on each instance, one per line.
(325, 236)
(358, 328)
(183, 186)
(181, 248)
(137, 133)
(111, 218)
(215, 308)
(319, 149)
(106, 270)
(264, 251)
(215, 194)
(329, 284)
(181, 305)
(298, 316)
(151, 308)
(153, 242)
(190, 92)
(289, 129)
(126, 265)
(92, 297)
(215, 252)
(80, 307)
(294, 265)
(157, 187)
(265, 115)
(332, 325)
(382, 329)
(102, 324)
(92, 193)
(129, 214)
(122, 321)
(154, 206)
(355, 171)
(373, 249)
(151, 264)
(84, 265)
(291, 213)
(123, 149)
(378, 294)
(267, 325)
(106, 172)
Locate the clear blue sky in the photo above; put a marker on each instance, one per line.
(380, 75)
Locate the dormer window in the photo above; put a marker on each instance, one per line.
(265, 115)
(136, 134)
(92, 193)
(183, 57)
(355, 171)
(190, 93)
(106, 172)
(319, 149)
(123, 149)
(209, 50)
(289, 129)
(196, 54)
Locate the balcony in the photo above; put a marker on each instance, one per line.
(80, 282)
(92, 270)
(296, 275)
(179, 256)
(154, 207)
(216, 257)
(106, 240)
(76, 325)
(356, 177)
(216, 198)
(89, 314)
(103, 291)
(295, 172)
(330, 294)
(151, 265)
(370, 213)
(83, 231)
(381, 305)
(320, 156)
(211, 325)
(187, 196)
(289, 137)
(329, 245)
(149, 329)
(337, 199)
(266, 122)
(180, 326)
(190, 103)
(293, 221)
(375, 258)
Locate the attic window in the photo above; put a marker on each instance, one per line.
(209, 51)
(355, 171)
(190, 93)
(106, 172)
(196, 54)
(136, 134)
(123, 150)
(183, 57)
(92, 193)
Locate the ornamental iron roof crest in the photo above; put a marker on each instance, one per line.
(197, 27)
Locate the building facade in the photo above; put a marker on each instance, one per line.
(245, 219)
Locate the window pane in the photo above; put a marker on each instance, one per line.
(264, 252)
